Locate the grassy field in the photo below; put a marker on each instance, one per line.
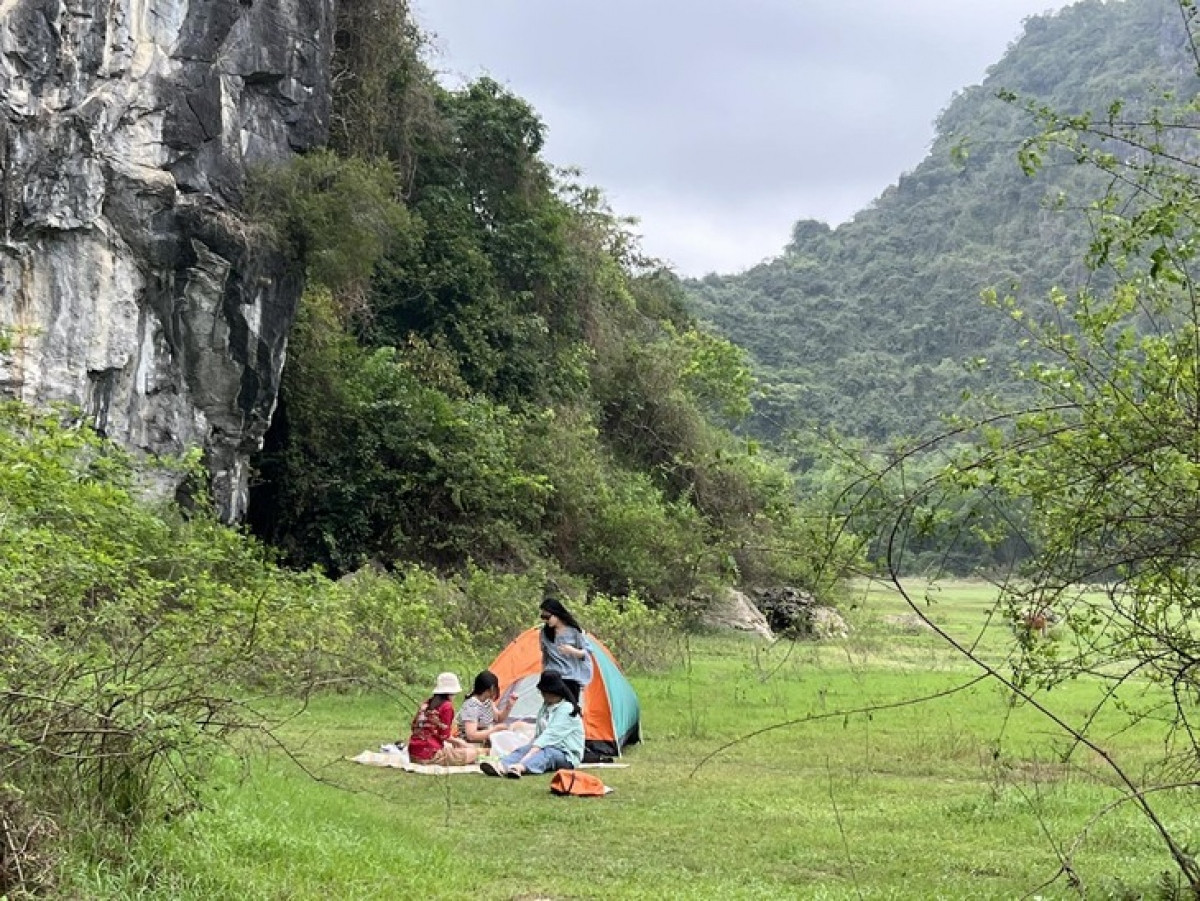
(788, 771)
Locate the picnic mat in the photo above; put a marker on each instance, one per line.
(399, 760)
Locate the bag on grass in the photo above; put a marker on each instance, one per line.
(574, 782)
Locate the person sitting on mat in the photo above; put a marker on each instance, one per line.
(483, 712)
(558, 741)
(433, 739)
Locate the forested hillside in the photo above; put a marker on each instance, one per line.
(486, 371)
(867, 329)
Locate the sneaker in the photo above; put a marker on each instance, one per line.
(492, 768)
(513, 774)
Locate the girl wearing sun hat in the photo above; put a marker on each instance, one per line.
(433, 739)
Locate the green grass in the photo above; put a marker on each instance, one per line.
(961, 796)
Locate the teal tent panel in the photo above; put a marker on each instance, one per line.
(622, 699)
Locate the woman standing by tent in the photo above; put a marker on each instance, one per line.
(558, 742)
(563, 648)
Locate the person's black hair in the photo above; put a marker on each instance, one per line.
(553, 605)
(484, 682)
(437, 701)
(552, 684)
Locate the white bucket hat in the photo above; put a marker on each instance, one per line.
(447, 684)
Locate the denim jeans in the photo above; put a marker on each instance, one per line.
(543, 761)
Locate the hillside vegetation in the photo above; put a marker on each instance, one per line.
(485, 368)
(876, 329)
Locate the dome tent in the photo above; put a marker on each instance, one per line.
(611, 714)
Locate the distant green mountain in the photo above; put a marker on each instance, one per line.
(865, 328)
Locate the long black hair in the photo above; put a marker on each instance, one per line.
(554, 606)
(552, 684)
(485, 681)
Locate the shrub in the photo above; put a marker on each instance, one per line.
(609, 525)
(396, 620)
(337, 215)
(493, 608)
(386, 459)
(640, 637)
(126, 630)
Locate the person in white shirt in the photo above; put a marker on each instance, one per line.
(483, 712)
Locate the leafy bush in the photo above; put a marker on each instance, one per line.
(394, 622)
(336, 214)
(493, 608)
(608, 524)
(634, 539)
(641, 637)
(387, 458)
(112, 647)
(127, 630)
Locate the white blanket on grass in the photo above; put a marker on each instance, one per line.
(393, 756)
(399, 760)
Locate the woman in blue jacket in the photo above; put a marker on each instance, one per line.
(564, 650)
(558, 740)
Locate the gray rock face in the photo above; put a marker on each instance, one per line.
(129, 283)
(732, 610)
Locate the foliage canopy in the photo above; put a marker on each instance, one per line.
(487, 370)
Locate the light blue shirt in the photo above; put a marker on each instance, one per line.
(556, 728)
(554, 658)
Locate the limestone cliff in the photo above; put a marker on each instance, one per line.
(128, 282)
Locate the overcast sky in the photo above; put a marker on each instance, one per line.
(719, 123)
